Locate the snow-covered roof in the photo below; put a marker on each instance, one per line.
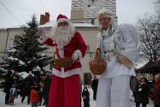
(53, 23)
(83, 25)
(48, 24)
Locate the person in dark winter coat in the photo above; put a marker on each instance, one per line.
(40, 92)
(142, 92)
(46, 86)
(27, 87)
(7, 85)
(94, 86)
(133, 83)
(156, 91)
(85, 96)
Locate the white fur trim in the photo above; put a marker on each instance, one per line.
(62, 20)
(66, 74)
(79, 54)
(42, 39)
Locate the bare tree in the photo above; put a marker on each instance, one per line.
(149, 31)
(157, 7)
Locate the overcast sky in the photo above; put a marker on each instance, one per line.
(18, 12)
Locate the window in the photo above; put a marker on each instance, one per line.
(15, 40)
(92, 21)
(88, 47)
(87, 78)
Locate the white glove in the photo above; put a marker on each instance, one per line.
(42, 35)
(75, 56)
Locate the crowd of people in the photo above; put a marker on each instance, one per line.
(34, 87)
(141, 90)
(37, 90)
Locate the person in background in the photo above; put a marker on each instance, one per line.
(86, 97)
(65, 85)
(46, 87)
(142, 92)
(80, 91)
(7, 85)
(94, 86)
(118, 47)
(156, 91)
(27, 82)
(133, 83)
(34, 97)
(13, 94)
(40, 92)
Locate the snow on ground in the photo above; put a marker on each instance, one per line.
(19, 104)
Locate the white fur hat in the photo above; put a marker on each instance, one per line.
(105, 13)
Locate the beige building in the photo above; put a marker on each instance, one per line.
(83, 16)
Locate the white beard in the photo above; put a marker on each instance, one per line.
(63, 35)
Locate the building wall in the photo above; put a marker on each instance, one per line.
(7, 39)
(86, 10)
(3, 39)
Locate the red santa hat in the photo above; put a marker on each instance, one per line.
(62, 18)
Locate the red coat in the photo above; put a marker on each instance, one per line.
(77, 44)
(34, 96)
(155, 91)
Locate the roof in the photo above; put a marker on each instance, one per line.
(53, 23)
(149, 63)
(150, 67)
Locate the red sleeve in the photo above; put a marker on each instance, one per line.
(50, 42)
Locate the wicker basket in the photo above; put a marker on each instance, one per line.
(63, 62)
(97, 66)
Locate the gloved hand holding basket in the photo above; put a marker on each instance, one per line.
(65, 61)
(98, 65)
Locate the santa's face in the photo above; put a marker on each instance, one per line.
(62, 24)
(63, 34)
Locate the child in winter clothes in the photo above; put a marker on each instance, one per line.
(34, 95)
(13, 94)
(156, 91)
(142, 92)
(85, 96)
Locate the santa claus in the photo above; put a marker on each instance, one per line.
(65, 85)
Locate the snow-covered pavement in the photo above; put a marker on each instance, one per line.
(93, 103)
(19, 104)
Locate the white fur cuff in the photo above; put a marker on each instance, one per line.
(79, 54)
(42, 38)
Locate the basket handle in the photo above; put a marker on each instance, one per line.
(61, 49)
(98, 54)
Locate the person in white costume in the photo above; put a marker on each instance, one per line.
(118, 46)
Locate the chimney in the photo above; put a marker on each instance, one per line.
(47, 17)
(42, 19)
